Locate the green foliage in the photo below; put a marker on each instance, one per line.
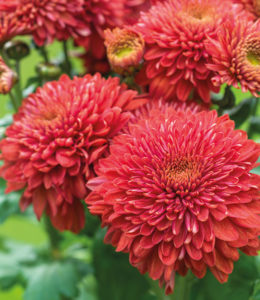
(52, 281)
(241, 112)
(8, 202)
(13, 262)
(116, 278)
(239, 286)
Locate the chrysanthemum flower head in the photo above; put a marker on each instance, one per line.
(49, 19)
(177, 193)
(176, 32)
(57, 136)
(252, 6)
(9, 27)
(236, 56)
(125, 49)
(7, 77)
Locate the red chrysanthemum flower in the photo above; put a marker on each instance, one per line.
(236, 56)
(7, 77)
(102, 14)
(99, 15)
(252, 6)
(57, 136)
(125, 49)
(9, 27)
(176, 32)
(176, 193)
(49, 19)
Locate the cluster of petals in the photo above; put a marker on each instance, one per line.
(57, 136)
(252, 6)
(9, 27)
(48, 19)
(177, 193)
(102, 14)
(236, 55)
(7, 77)
(176, 33)
(125, 49)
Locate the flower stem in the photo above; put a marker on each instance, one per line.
(183, 287)
(157, 291)
(44, 54)
(54, 236)
(181, 290)
(18, 88)
(253, 114)
(13, 100)
(67, 62)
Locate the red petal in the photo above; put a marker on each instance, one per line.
(225, 230)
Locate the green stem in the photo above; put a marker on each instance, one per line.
(253, 114)
(67, 62)
(18, 88)
(13, 100)
(158, 292)
(54, 236)
(44, 54)
(182, 289)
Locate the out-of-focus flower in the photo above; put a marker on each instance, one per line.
(7, 77)
(57, 136)
(48, 71)
(125, 49)
(93, 64)
(102, 14)
(48, 19)
(252, 6)
(176, 32)
(9, 27)
(16, 49)
(236, 56)
(177, 193)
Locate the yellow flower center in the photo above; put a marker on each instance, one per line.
(182, 170)
(123, 51)
(254, 58)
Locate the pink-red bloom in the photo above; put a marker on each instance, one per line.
(57, 136)
(48, 19)
(236, 56)
(125, 49)
(7, 77)
(252, 6)
(102, 14)
(177, 193)
(9, 27)
(176, 33)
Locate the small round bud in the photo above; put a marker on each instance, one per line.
(16, 49)
(48, 70)
(125, 49)
(8, 78)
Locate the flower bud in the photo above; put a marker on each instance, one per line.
(48, 70)
(125, 50)
(8, 77)
(16, 50)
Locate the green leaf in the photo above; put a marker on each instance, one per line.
(241, 112)
(256, 292)
(8, 202)
(239, 286)
(88, 289)
(116, 278)
(4, 122)
(13, 257)
(52, 281)
(255, 124)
